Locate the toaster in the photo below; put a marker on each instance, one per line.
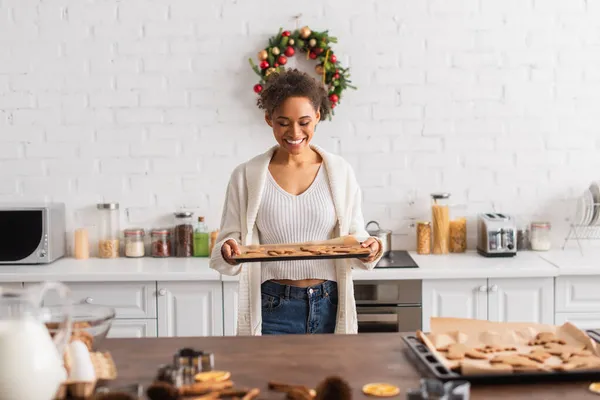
(496, 235)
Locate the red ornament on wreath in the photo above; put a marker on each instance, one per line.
(289, 51)
(285, 44)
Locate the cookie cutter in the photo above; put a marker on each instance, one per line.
(435, 389)
(190, 361)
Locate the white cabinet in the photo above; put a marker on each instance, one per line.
(580, 320)
(133, 328)
(577, 301)
(230, 308)
(129, 299)
(505, 300)
(190, 309)
(577, 294)
(463, 298)
(521, 300)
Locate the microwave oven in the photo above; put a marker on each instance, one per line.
(32, 233)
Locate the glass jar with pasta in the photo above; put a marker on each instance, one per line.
(458, 235)
(108, 230)
(440, 221)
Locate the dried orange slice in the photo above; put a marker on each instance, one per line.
(595, 387)
(212, 376)
(381, 390)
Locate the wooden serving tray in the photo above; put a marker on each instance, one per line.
(344, 247)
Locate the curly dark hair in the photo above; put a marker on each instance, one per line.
(293, 83)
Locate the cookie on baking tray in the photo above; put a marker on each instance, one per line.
(495, 349)
(544, 338)
(458, 351)
(518, 362)
(566, 352)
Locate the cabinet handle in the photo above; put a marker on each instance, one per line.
(494, 288)
(162, 292)
(88, 300)
(483, 288)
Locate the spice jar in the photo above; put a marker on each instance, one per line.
(523, 237)
(134, 242)
(161, 242)
(424, 237)
(458, 235)
(540, 236)
(440, 213)
(184, 234)
(108, 230)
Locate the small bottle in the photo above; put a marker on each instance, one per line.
(201, 239)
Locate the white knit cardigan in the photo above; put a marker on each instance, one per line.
(239, 223)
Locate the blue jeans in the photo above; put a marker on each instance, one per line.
(290, 309)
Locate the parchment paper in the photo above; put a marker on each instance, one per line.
(339, 241)
(478, 333)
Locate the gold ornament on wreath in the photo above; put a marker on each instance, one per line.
(316, 46)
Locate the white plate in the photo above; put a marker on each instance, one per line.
(595, 190)
(589, 207)
(580, 212)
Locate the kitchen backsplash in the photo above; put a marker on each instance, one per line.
(150, 104)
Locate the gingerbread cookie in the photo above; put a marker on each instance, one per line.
(459, 351)
(580, 362)
(565, 352)
(495, 349)
(539, 355)
(544, 338)
(517, 361)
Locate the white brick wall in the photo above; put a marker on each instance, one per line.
(151, 104)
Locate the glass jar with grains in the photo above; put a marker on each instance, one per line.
(184, 234)
(424, 237)
(108, 230)
(440, 217)
(134, 242)
(540, 239)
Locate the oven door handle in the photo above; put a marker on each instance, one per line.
(387, 305)
(382, 309)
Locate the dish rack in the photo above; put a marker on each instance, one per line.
(583, 232)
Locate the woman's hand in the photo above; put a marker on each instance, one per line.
(229, 249)
(374, 246)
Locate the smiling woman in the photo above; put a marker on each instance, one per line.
(295, 192)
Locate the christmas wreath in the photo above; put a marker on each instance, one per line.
(317, 46)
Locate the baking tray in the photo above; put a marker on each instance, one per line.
(294, 258)
(344, 241)
(428, 364)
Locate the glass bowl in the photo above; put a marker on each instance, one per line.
(91, 322)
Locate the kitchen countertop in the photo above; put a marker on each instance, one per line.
(573, 262)
(306, 360)
(114, 270)
(452, 266)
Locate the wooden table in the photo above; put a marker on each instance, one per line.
(307, 359)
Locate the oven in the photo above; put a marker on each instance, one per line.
(388, 306)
